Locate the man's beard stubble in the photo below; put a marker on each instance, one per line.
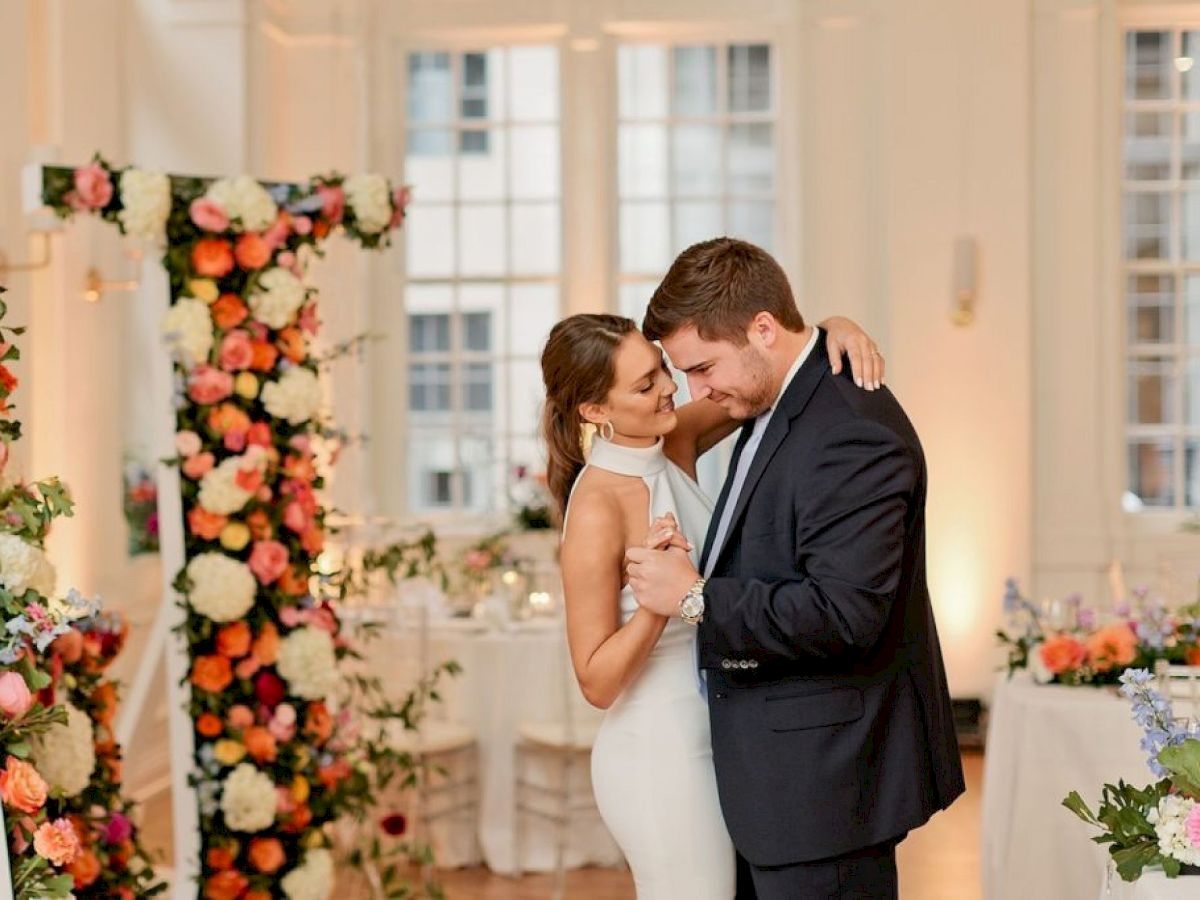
(761, 394)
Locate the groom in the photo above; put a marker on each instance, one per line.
(831, 723)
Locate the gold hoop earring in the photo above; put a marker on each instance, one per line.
(607, 431)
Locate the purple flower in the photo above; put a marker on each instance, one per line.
(119, 829)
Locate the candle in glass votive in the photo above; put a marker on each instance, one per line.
(539, 601)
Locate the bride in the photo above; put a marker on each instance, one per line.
(652, 768)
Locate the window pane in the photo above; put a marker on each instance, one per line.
(429, 333)
(1191, 310)
(751, 158)
(1148, 65)
(1151, 304)
(525, 399)
(696, 160)
(535, 174)
(645, 237)
(1151, 391)
(429, 387)
(695, 222)
(753, 222)
(477, 387)
(481, 240)
(480, 459)
(475, 141)
(474, 87)
(431, 465)
(1148, 146)
(695, 81)
(1148, 225)
(535, 80)
(1190, 227)
(429, 236)
(477, 331)
(430, 142)
(1191, 473)
(1191, 393)
(534, 311)
(642, 76)
(433, 171)
(635, 297)
(1191, 77)
(1152, 473)
(537, 239)
(749, 78)
(481, 174)
(1189, 146)
(643, 161)
(429, 88)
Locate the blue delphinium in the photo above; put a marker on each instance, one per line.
(1152, 711)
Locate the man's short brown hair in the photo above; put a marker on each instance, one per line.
(719, 286)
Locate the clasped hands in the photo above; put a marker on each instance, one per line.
(660, 572)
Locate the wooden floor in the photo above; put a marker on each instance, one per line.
(938, 862)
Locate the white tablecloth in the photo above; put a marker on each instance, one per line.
(1153, 885)
(509, 676)
(1045, 741)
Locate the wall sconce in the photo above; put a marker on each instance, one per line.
(966, 274)
(96, 287)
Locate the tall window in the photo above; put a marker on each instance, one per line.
(1161, 248)
(696, 154)
(483, 267)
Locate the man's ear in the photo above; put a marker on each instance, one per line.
(763, 330)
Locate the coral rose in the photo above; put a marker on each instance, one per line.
(69, 647)
(209, 726)
(266, 645)
(237, 351)
(204, 524)
(233, 640)
(229, 311)
(228, 884)
(208, 384)
(105, 699)
(260, 744)
(85, 869)
(212, 257)
(292, 344)
(266, 855)
(228, 417)
(294, 582)
(1062, 653)
(333, 202)
(265, 357)
(1113, 647)
(15, 696)
(212, 673)
(56, 841)
(240, 716)
(196, 467)
(220, 858)
(268, 561)
(21, 787)
(252, 251)
(318, 722)
(260, 525)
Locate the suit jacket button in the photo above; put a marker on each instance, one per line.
(726, 664)
(754, 663)
(743, 664)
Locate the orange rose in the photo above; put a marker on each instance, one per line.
(21, 787)
(300, 819)
(256, 895)
(226, 418)
(228, 311)
(264, 357)
(260, 744)
(205, 524)
(266, 855)
(105, 697)
(212, 673)
(1193, 655)
(291, 343)
(114, 769)
(318, 722)
(252, 251)
(209, 725)
(221, 857)
(300, 467)
(260, 525)
(1111, 647)
(233, 640)
(212, 258)
(313, 540)
(330, 775)
(69, 646)
(1062, 653)
(320, 228)
(85, 869)
(266, 645)
(294, 582)
(227, 885)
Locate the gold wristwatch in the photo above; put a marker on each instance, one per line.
(691, 607)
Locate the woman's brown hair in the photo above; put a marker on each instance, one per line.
(577, 368)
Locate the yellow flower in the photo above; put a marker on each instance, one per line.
(246, 385)
(315, 838)
(303, 757)
(229, 753)
(300, 789)
(235, 536)
(204, 289)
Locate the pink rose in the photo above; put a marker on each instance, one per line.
(93, 187)
(208, 384)
(57, 842)
(208, 215)
(323, 618)
(286, 259)
(308, 321)
(187, 443)
(237, 351)
(234, 441)
(302, 224)
(400, 198)
(15, 698)
(196, 467)
(295, 518)
(268, 560)
(277, 233)
(240, 716)
(301, 442)
(291, 616)
(333, 205)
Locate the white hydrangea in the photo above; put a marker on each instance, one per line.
(248, 799)
(308, 664)
(219, 491)
(223, 588)
(369, 197)
(146, 202)
(187, 330)
(24, 565)
(1037, 668)
(245, 200)
(312, 879)
(296, 396)
(276, 298)
(65, 755)
(1170, 824)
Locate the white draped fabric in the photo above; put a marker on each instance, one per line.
(1153, 885)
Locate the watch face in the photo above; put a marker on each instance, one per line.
(692, 605)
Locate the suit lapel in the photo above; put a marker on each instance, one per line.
(747, 429)
(791, 404)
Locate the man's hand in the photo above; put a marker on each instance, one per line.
(660, 578)
(866, 362)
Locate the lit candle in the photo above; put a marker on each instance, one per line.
(539, 600)
(1116, 582)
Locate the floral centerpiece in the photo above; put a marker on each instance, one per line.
(1083, 646)
(531, 496)
(141, 509)
(1159, 824)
